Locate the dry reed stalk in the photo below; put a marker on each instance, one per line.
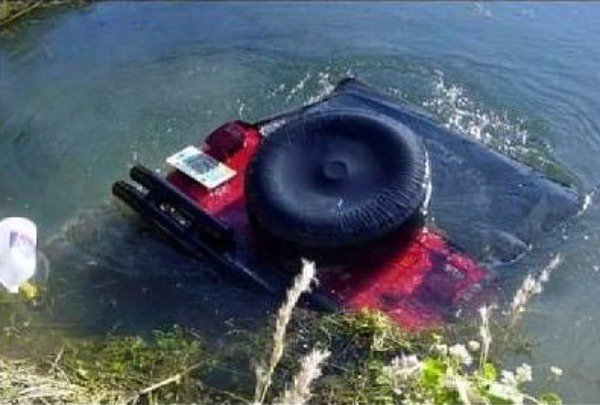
(531, 287)
(21, 13)
(463, 387)
(264, 373)
(310, 370)
(174, 379)
(484, 332)
(21, 383)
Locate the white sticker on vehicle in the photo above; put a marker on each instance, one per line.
(201, 167)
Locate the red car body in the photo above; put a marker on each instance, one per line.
(422, 281)
(418, 277)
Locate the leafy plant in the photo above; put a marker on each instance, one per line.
(118, 365)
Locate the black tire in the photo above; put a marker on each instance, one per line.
(336, 179)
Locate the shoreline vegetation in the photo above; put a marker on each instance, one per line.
(13, 11)
(352, 358)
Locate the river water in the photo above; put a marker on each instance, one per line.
(87, 92)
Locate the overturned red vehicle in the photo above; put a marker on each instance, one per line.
(347, 182)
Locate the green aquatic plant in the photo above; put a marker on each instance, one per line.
(360, 357)
(371, 361)
(427, 368)
(116, 369)
(367, 330)
(13, 10)
(118, 365)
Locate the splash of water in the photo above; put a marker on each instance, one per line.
(587, 202)
(324, 86)
(458, 112)
(322, 81)
(299, 86)
(241, 108)
(479, 9)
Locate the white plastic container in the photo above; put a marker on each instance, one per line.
(18, 239)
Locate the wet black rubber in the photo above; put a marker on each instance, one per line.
(336, 179)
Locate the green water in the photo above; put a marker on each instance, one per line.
(86, 93)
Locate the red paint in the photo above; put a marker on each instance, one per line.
(421, 284)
